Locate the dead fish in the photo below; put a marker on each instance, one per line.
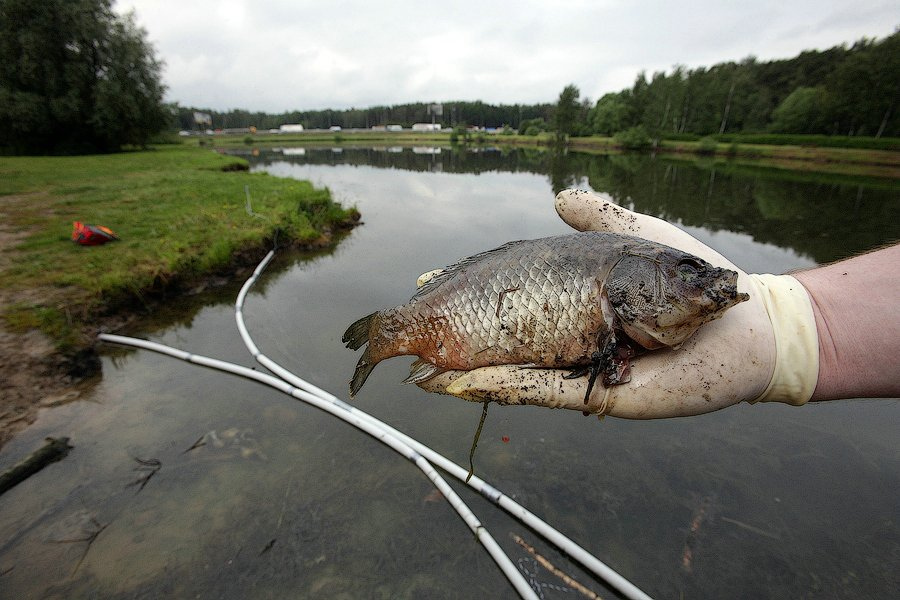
(585, 301)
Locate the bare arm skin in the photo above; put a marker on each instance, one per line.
(856, 303)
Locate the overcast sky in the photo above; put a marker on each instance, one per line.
(279, 55)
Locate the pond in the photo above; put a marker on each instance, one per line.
(259, 496)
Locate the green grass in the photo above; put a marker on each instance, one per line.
(848, 161)
(822, 141)
(784, 139)
(178, 213)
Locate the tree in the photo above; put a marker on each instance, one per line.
(532, 126)
(856, 93)
(567, 108)
(803, 111)
(75, 78)
(865, 87)
(610, 114)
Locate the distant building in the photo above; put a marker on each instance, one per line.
(291, 128)
(426, 127)
(201, 118)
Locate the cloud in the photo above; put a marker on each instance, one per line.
(286, 55)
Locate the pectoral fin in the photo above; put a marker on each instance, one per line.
(422, 370)
(610, 362)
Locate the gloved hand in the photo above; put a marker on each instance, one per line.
(765, 349)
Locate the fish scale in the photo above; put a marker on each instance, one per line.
(520, 319)
(552, 302)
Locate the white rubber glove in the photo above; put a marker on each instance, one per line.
(765, 349)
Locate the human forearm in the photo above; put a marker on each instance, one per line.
(857, 309)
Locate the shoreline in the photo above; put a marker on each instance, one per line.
(38, 375)
(852, 161)
(180, 213)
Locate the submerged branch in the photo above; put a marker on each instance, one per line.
(54, 450)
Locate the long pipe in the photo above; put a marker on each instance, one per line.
(503, 561)
(554, 536)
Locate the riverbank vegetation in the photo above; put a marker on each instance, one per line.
(794, 153)
(181, 213)
(863, 156)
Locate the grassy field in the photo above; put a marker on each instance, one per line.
(179, 211)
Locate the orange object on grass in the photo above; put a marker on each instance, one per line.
(91, 235)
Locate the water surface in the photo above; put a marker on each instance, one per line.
(259, 496)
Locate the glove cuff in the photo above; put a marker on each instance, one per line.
(796, 339)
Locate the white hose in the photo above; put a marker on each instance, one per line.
(503, 561)
(554, 536)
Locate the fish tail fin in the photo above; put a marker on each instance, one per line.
(363, 368)
(357, 336)
(358, 333)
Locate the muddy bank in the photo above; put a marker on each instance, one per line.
(36, 374)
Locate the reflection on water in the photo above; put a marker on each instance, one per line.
(258, 496)
(822, 216)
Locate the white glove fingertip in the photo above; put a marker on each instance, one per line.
(586, 211)
(426, 277)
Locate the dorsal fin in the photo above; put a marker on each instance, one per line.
(451, 271)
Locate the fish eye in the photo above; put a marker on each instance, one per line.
(688, 269)
(691, 263)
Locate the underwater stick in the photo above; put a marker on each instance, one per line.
(53, 450)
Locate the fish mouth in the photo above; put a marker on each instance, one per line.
(723, 293)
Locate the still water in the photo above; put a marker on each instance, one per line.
(259, 496)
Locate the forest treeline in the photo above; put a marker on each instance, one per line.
(840, 91)
(844, 90)
(475, 113)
